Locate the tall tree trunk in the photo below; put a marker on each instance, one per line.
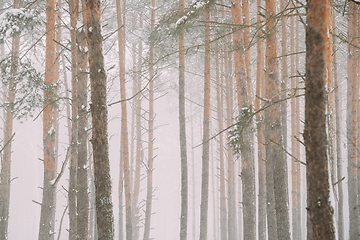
(121, 46)
(260, 128)
(124, 145)
(206, 133)
(220, 102)
(104, 207)
(48, 202)
(352, 97)
(317, 35)
(74, 13)
(8, 134)
(279, 164)
(182, 129)
(82, 183)
(139, 149)
(284, 76)
(246, 147)
(295, 147)
(150, 166)
(340, 203)
(193, 210)
(230, 158)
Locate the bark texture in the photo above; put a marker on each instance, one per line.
(82, 204)
(260, 128)
(352, 108)
(278, 160)
(317, 175)
(99, 114)
(46, 229)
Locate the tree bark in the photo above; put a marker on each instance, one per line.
(278, 160)
(260, 128)
(206, 133)
(121, 46)
(8, 134)
(295, 147)
(340, 203)
(74, 14)
(104, 207)
(244, 103)
(150, 167)
(352, 97)
(48, 202)
(182, 129)
(317, 176)
(82, 183)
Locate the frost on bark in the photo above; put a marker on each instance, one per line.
(206, 133)
(99, 114)
(46, 229)
(352, 111)
(276, 156)
(317, 172)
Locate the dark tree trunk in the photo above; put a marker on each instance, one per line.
(82, 183)
(319, 210)
(99, 114)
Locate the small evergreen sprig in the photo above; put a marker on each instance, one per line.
(236, 133)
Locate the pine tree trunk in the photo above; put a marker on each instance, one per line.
(284, 77)
(182, 129)
(317, 176)
(260, 135)
(340, 203)
(121, 40)
(150, 167)
(206, 133)
(124, 145)
(74, 10)
(246, 148)
(279, 164)
(295, 147)
(219, 98)
(104, 207)
(352, 96)
(8, 134)
(48, 202)
(82, 183)
(139, 149)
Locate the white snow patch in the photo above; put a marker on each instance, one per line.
(181, 20)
